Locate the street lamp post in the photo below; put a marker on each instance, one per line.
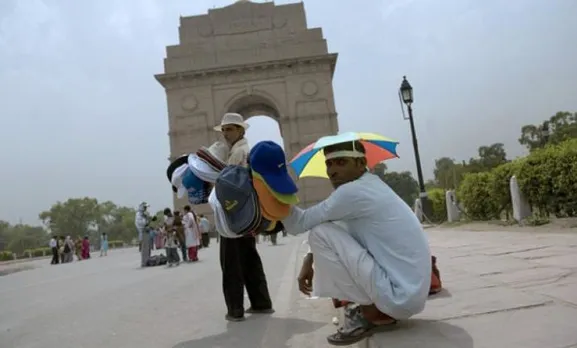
(406, 92)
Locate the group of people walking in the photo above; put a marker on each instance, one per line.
(64, 248)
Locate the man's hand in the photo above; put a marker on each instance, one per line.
(306, 274)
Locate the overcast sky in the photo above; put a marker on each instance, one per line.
(82, 115)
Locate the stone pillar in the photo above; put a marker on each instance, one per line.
(521, 208)
(418, 209)
(453, 212)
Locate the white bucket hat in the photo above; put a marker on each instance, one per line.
(231, 118)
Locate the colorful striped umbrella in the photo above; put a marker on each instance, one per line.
(310, 162)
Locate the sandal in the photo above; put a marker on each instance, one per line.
(341, 338)
(357, 328)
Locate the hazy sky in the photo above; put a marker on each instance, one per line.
(82, 115)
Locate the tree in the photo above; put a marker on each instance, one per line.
(4, 234)
(448, 174)
(490, 157)
(22, 237)
(18, 238)
(119, 224)
(403, 183)
(380, 168)
(75, 217)
(560, 127)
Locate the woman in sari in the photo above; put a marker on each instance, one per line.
(85, 248)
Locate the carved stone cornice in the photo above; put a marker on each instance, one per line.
(293, 66)
(282, 122)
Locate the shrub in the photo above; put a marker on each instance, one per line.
(6, 256)
(439, 206)
(474, 193)
(548, 178)
(499, 186)
(38, 252)
(112, 244)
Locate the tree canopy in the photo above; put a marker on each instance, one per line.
(558, 128)
(76, 217)
(402, 183)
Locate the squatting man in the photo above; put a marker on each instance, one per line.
(367, 246)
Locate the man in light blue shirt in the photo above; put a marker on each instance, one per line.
(204, 230)
(368, 247)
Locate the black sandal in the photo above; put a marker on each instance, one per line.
(356, 328)
(342, 338)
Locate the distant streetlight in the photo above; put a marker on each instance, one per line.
(406, 93)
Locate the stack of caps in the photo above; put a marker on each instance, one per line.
(237, 201)
(254, 200)
(275, 188)
(194, 174)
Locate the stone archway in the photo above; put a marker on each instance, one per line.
(254, 59)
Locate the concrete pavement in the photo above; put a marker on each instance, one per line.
(111, 302)
(504, 289)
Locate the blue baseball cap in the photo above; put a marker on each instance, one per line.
(268, 159)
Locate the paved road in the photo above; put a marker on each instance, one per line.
(503, 290)
(111, 302)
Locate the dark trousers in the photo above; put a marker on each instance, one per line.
(184, 251)
(242, 267)
(205, 240)
(55, 256)
(172, 256)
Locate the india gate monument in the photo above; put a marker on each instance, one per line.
(253, 59)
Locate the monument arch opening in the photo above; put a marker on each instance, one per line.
(254, 59)
(254, 105)
(263, 116)
(263, 127)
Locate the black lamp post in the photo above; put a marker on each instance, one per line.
(406, 92)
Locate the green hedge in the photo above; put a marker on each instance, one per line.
(38, 252)
(112, 244)
(475, 195)
(6, 256)
(547, 177)
(439, 205)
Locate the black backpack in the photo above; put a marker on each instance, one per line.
(66, 247)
